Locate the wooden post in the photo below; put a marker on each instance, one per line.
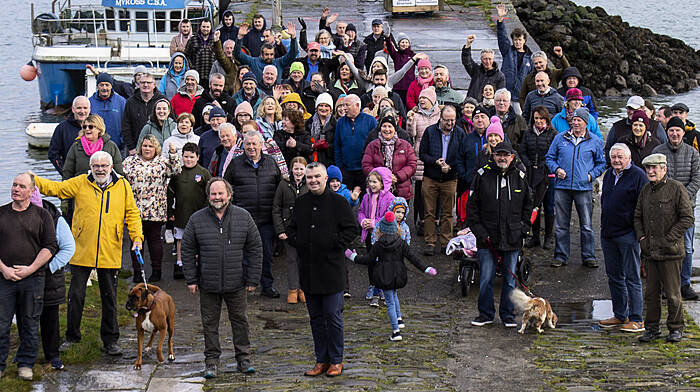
(277, 13)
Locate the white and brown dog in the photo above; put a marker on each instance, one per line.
(154, 311)
(535, 309)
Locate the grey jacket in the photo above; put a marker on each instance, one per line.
(683, 166)
(221, 246)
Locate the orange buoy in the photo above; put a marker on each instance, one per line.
(28, 72)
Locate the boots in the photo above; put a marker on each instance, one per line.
(548, 232)
(155, 276)
(534, 239)
(177, 272)
(301, 296)
(292, 296)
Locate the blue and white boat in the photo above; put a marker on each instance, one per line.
(115, 34)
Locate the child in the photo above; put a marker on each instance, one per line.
(399, 206)
(335, 182)
(188, 191)
(373, 206)
(388, 272)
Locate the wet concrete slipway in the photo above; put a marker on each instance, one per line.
(441, 350)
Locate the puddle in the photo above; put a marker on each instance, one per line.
(572, 313)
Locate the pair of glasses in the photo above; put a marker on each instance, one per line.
(96, 166)
(88, 126)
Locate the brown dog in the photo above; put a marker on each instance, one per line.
(536, 309)
(154, 311)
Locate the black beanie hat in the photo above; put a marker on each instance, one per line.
(675, 122)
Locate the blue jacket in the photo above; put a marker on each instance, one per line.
(350, 139)
(111, 110)
(61, 141)
(171, 82)
(473, 143)
(345, 192)
(238, 98)
(561, 125)
(577, 160)
(207, 144)
(257, 64)
(618, 201)
(431, 150)
(514, 78)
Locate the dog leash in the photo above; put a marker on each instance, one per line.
(143, 271)
(499, 260)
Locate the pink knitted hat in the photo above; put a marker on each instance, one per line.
(495, 127)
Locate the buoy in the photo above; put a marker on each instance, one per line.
(28, 72)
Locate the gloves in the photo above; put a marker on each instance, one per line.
(431, 271)
(350, 254)
(302, 23)
(321, 145)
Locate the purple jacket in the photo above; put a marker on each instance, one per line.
(401, 57)
(385, 199)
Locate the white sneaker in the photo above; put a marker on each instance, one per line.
(396, 336)
(169, 238)
(25, 373)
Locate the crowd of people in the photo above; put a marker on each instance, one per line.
(247, 148)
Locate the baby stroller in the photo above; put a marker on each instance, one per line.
(463, 250)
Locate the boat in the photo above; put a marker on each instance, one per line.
(39, 134)
(115, 34)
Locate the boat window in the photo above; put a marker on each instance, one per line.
(124, 20)
(160, 21)
(141, 21)
(175, 17)
(111, 25)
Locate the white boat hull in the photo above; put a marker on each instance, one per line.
(39, 134)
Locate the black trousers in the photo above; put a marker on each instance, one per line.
(108, 279)
(151, 232)
(50, 331)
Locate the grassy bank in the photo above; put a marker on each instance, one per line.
(89, 348)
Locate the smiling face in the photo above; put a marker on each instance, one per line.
(148, 150)
(218, 196)
(488, 91)
(269, 106)
(270, 76)
(374, 183)
(571, 82)
(228, 48)
(287, 124)
(334, 184)
(324, 38)
(189, 159)
(90, 131)
(191, 84)
(340, 28)
(638, 128)
(228, 20)
(227, 138)
(104, 89)
(344, 73)
(404, 44)
(574, 104)
(539, 63)
(675, 136)
(440, 77)
(298, 171)
(424, 72)
(323, 110)
(542, 82)
(252, 148)
(494, 139)
(205, 28)
(619, 159)
(215, 122)
(316, 179)
(178, 63)
(388, 131)
(655, 173)
(162, 111)
(487, 60)
(296, 76)
(216, 87)
(184, 126)
(81, 108)
(425, 103)
(268, 55)
(468, 109)
(503, 159)
(258, 23)
(249, 87)
(101, 171)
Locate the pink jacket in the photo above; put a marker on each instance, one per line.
(385, 199)
(403, 164)
(417, 123)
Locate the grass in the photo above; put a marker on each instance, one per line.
(89, 348)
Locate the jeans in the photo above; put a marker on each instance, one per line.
(622, 262)
(210, 308)
(107, 279)
(326, 317)
(584, 207)
(687, 266)
(267, 234)
(549, 198)
(393, 308)
(487, 266)
(24, 299)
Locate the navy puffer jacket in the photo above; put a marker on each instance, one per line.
(254, 187)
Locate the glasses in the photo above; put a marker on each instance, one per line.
(96, 166)
(502, 154)
(243, 115)
(501, 100)
(88, 126)
(143, 82)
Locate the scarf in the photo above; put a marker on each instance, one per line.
(488, 102)
(469, 124)
(426, 113)
(642, 143)
(424, 83)
(538, 131)
(327, 51)
(90, 147)
(569, 115)
(388, 150)
(317, 127)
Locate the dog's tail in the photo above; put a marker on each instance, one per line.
(520, 299)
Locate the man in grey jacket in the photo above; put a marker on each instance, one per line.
(684, 167)
(222, 235)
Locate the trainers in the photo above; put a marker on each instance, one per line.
(112, 349)
(688, 293)
(510, 323)
(375, 302)
(370, 293)
(210, 371)
(649, 335)
(57, 364)
(592, 263)
(396, 336)
(346, 294)
(401, 323)
(429, 250)
(25, 373)
(244, 366)
(381, 295)
(270, 293)
(66, 346)
(612, 322)
(557, 263)
(480, 321)
(674, 336)
(633, 326)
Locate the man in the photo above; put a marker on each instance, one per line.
(514, 125)
(379, 78)
(210, 139)
(29, 237)
(481, 74)
(188, 94)
(249, 92)
(683, 166)
(623, 127)
(266, 53)
(67, 131)
(216, 96)
(576, 158)
(662, 215)
(104, 202)
(252, 39)
(254, 177)
(218, 241)
(269, 80)
(622, 186)
(571, 78)
(199, 52)
(517, 57)
(350, 134)
(663, 114)
(545, 96)
(296, 77)
(137, 111)
(228, 29)
(473, 143)
(316, 87)
(179, 42)
(445, 94)
(321, 228)
(224, 63)
(110, 106)
(313, 63)
(539, 64)
(500, 219)
(274, 39)
(441, 150)
(374, 42)
(357, 49)
(691, 136)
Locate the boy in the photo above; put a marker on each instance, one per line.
(335, 182)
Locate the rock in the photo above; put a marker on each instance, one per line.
(624, 67)
(538, 5)
(626, 92)
(648, 91)
(666, 89)
(634, 81)
(612, 92)
(620, 81)
(691, 83)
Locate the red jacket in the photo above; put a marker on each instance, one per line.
(403, 164)
(413, 93)
(181, 102)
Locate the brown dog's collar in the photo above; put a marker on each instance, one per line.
(153, 303)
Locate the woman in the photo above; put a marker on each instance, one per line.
(465, 120)
(640, 141)
(91, 138)
(365, 81)
(488, 101)
(282, 208)
(229, 142)
(321, 129)
(269, 117)
(494, 135)
(574, 100)
(293, 139)
(372, 108)
(160, 124)
(393, 153)
(242, 114)
(148, 173)
(423, 80)
(345, 83)
(205, 119)
(533, 148)
(402, 55)
(324, 39)
(340, 107)
(183, 134)
(174, 76)
(421, 117)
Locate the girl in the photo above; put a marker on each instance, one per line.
(372, 207)
(389, 270)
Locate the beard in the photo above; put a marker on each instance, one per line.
(218, 205)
